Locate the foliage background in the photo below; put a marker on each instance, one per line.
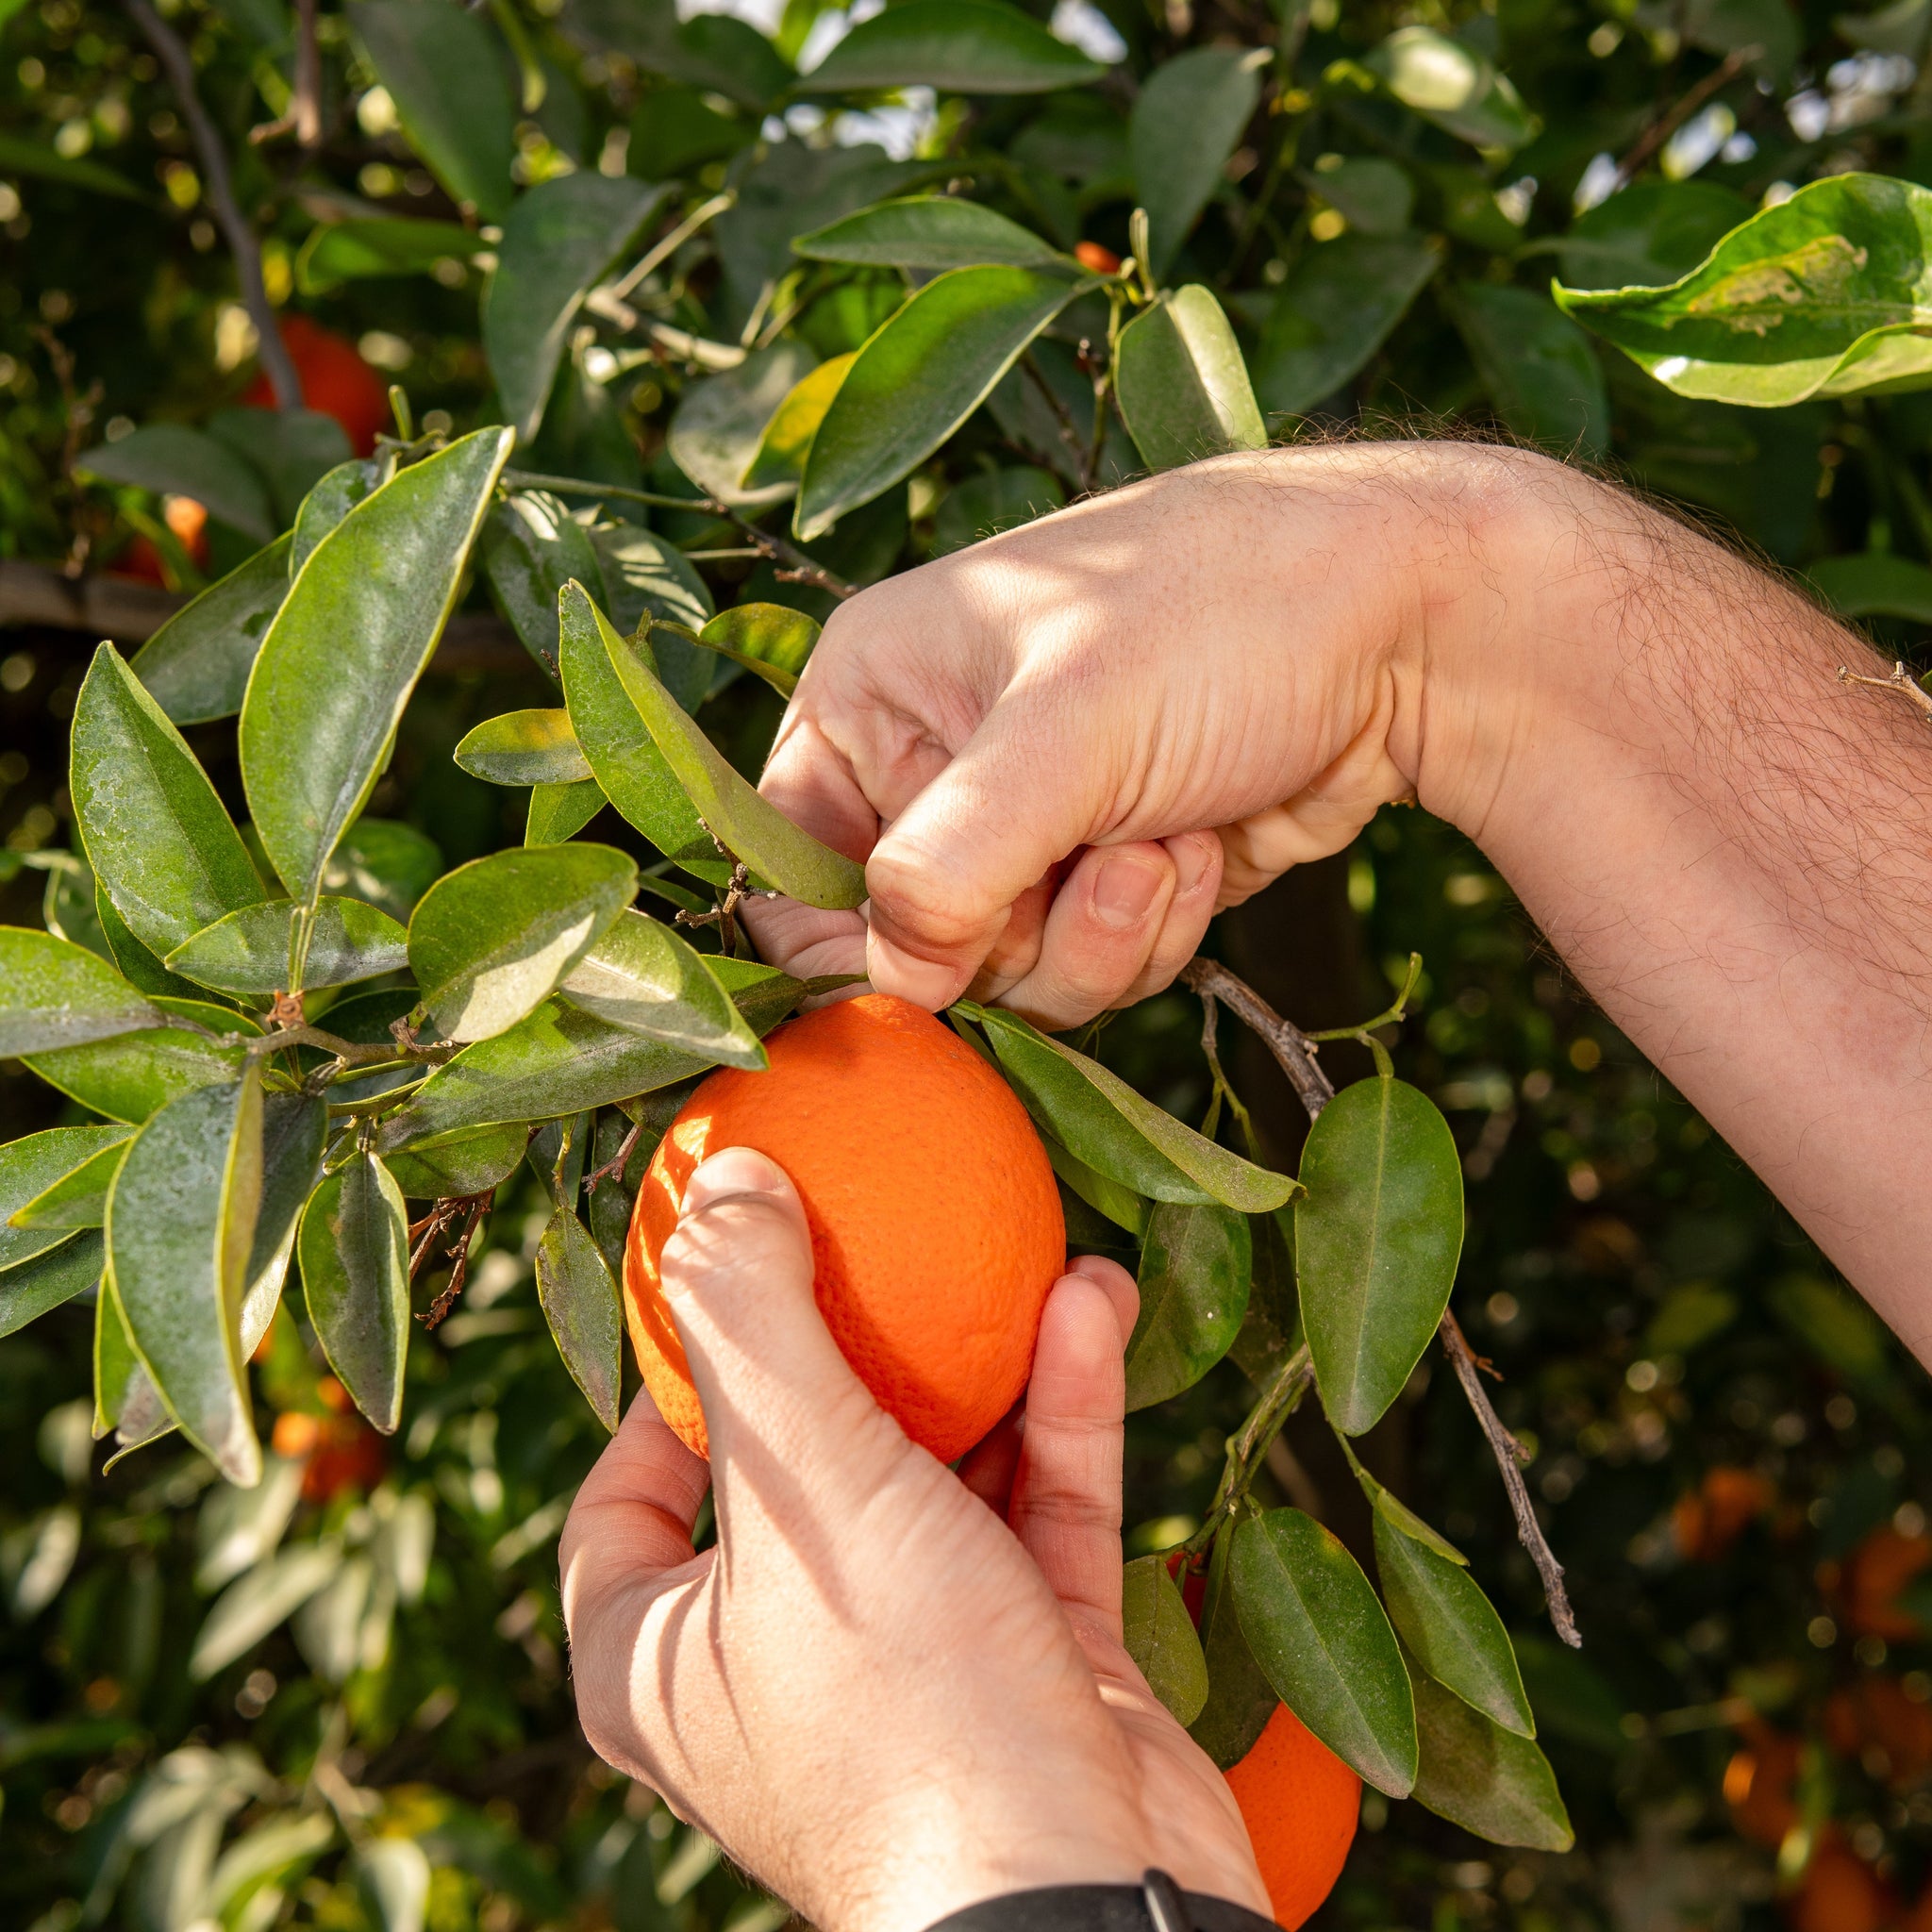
(1655, 1316)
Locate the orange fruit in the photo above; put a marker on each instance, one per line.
(1840, 1892)
(335, 380)
(1758, 1784)
(1710, 1518)
(936, 1227)
(1875, 1574)
(1301, 1805)
(1102, 261)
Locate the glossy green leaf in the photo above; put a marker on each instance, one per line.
(640, 976)
(444, 69)
(785, 446)
(384, 863)
(294, 1130)
(1182, 384)
(928, 231)
(465, 1162)
(1448, 83)
(921, 375)
(345, 650)
(531, 546)
(27, 1291)
(248, 951)
(1159, 1637)
(55, 994)
(1827, 294)
(1538, 366)
(180, 1228)
(960, 46)
(1874, 584)
(172, 459)
(135, 1075)
(335, 494)
(159, 840)
(1102, 1120)
(357, 249)
(562, 812)
(1240, 1700)
(354, 1248)
(1118, 1204)
(1391, 1508)
(1649, 233)
(1190, 116)
(560, 236)
(581, 1304)
(494, 939)
(1271, 1330)
(1193, 1281)
(1450, 1627)
(1482, 1777)
(1338, 307)
(52, 1183)
(720, 421)
(293, 449)
(648, 578)
(139, 962)
(197, 666)
(115, 1362)
(524, 748)
(1378, 1236)
(1315, 1626)
(770, 640)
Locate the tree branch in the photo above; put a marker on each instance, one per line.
(1284, 1040)
(1901, 680)
(1674, 118)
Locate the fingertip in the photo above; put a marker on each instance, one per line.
(933, 984)
(1079, 1327)
(730, 1173)
(1121, 1291)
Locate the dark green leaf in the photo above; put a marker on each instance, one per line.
(116, 1365)
(384, 863)
(1377, 1235)
(641, 976)
(1450, 1628)
(648, 578)
(1648, 233)
(70, 906)
(1102, 1120)
(557, 1153)
(1448, 83)
(494, 939)
(355, 1254)
(1118, 1204)
(1538, 366)
(921, 374)
(135, 1075)
(55, 994)
(445, 71)
(1159, 1637)
(171, 459)
(1482, 1777)
(768, 638)
(352, 250)
(1877, 584)
(531, 546)
(1182, 384)
(714, 436)
(524, 748)
(19, 156)
(1336, 310)
(580, 1303)
(562, 812)
(713, 52)
(197, 666)
(993, 501)
(557, 239)
(465, 1162)
(1194, 1271)
(963, 47)
(293, 448)
(1271, 1330)
(1191, 115)
(74, 1168)
(1315, 1627)
(27, 1292)
(345, 650)
(1837, 1326)
(295, 1127)
(248, 951)
(1240, 1700)
(333, 498)
(1374, 197)
(180, 1227)
(614, 1197)
(931, 231)
(139, 963)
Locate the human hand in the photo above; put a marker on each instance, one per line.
(888, 1691)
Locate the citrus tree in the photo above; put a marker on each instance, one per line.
(701, 327)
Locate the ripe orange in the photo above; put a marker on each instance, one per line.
(335, 380)
(936, 1226)
(1840, 1892)
(1301, 1805)
(1710, 1518)
(1874, 1576)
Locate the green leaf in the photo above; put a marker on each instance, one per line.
(355, 1254)
(531, 546)
(494, 939)
(293, 449)
(140, 964)
(1825, 294)
(1191, 115)
(1448, 83)
(1240, 1700)
(295, 1129)
(960, 46)
(1315, 1627)
(55, 994)
(1482, 1777)
(1877, 584)
(74, 1168)
(1182, 384)
(1373, 196)
(1118, 1204)
(1389, 1506)
(354, 250)
(462, 1163)
(1271, 1330)
(581, 1304)
(444, 70)
(248, 951)
(344, 652)
(1336, 310)
(524, 748)
(720, 421)
(1159, 1637)
(157, 838)
(197, 666)
(712, 52)
(171, 459)
(648, 578)
(180, 1227)
(116, 1365)
(641, 976)
(786, 443)
(994, 500)
(1648, 233)
(1450, 1627)
(1378, 1236)
(27, 1291)
(19, 156)
(384, 863)
(557, 239)
(268, 1595)
(928, 231)
(134, 1075)
(1194, 1271)
(333, 496)
(770, 640)
(70, 906)
(1538, 366)
(562, 812)
(1103, 1121)
(922, 373)
(1837, 1326)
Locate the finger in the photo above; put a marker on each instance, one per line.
(989, 1467)
(1012, 956)
(803, 940)
(1066, 1507)
(1099, 934)
(1197, 886)
(1120, 1288)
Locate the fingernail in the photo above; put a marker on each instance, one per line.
(1124, 890)
(734, 1172)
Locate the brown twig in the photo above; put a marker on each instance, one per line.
(618, 1161)
(1509, 1459)
(1673, 117)
(1284, 1040)
(276, 360)
(304, 117)
(470, 1210)
(1901, 680)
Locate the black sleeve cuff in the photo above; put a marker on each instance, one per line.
(1155, 1904)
